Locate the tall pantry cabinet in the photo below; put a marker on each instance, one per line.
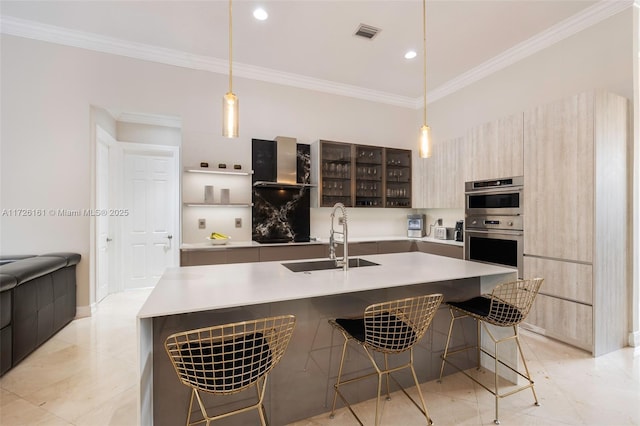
(576, 218)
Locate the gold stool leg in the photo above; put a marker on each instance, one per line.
(478, 340)
(335, 390)
(386, 367)
(415, 379)
(377, 421)
(202, 409)
(496, 420)
(260, 390)
(446, 347)
(190, 407)
(526, 369)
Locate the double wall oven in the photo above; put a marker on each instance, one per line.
(494, 222)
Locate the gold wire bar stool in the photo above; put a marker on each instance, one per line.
(507, 306)
(227, 359)
(391, 327)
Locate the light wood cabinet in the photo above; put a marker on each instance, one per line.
(495, 149)
(559, 179)
(567, 280)
(564, 320)
(443, 177)
(489, 151)
(575, 215)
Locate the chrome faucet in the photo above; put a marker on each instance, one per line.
(344, 262)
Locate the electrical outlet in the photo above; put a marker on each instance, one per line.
(439, 222)
(238, 222)
(202, 223)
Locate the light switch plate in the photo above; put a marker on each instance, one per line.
(202, 223)
(238, 222)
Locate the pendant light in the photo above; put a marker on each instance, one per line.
(425, 131)
(230, 100)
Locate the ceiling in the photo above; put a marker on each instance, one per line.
(315, 39)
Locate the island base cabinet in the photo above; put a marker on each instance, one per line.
(301, 386)
(567, 321)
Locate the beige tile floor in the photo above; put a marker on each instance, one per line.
(86, 375)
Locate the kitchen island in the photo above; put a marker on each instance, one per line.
(301, 386)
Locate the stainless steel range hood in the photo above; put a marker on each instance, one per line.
(286, 164)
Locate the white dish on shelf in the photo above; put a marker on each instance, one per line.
(218, 241)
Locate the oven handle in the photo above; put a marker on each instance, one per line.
(494, 190)
(496, 232)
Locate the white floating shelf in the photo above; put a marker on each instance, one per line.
(218, 171)
(218, 205)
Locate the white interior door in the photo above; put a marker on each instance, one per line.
(103, 235)
(151, 198)
(104, 249)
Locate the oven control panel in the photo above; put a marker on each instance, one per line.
(514, 223)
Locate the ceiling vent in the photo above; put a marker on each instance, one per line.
(367, 31)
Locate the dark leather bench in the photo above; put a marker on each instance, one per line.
(38, 298)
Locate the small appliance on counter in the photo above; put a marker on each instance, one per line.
(459, 231)
(416, 225)
(440, 232)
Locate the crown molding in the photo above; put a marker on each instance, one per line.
(564, 29)
(84, 40)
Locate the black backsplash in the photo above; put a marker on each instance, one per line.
(280, 214)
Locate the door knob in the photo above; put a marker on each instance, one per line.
(109, 239)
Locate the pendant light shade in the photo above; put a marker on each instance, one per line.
(425, 131)
(230, 115)
(425, 141)
(230, 108)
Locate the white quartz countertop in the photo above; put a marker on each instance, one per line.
(231, 244)
(203, 288)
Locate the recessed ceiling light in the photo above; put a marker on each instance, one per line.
(410, 54)
(260, 14)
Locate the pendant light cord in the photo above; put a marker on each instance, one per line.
(230, 47)
(424, 55)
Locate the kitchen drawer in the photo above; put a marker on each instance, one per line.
(358, 249)
(202, 257)
(292, 252)
(567, 321)
(242, 255)
(567, 280)
(403, 246)
(441, 249)
(219, 256)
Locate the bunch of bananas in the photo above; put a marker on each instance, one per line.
(218, 236)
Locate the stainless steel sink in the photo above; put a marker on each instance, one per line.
(321, 265)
